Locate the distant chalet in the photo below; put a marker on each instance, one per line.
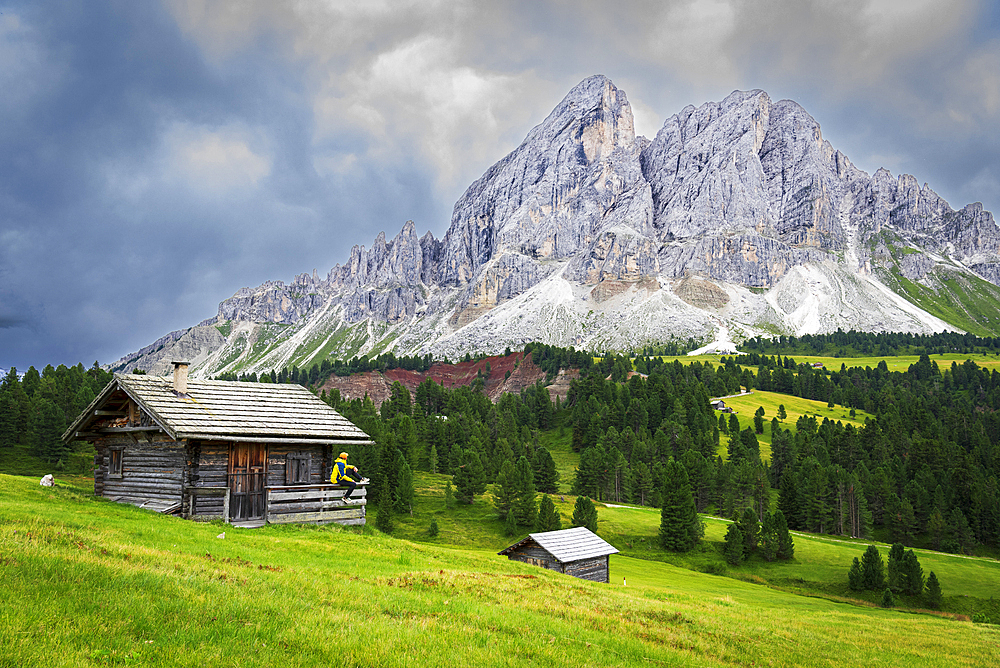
(246, 453)
(578, 552)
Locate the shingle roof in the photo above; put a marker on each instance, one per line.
(569, 544)
(215, 408)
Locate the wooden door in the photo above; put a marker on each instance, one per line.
(247, 472)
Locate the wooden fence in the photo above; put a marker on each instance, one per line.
(318, 504)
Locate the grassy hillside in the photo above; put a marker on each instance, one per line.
(85, 582)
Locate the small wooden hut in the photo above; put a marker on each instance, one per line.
(578, 552)
(247, 453)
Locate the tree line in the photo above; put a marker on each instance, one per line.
(36, 409)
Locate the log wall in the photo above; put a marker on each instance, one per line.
(533, 554)
(595, 569)
(150, 471)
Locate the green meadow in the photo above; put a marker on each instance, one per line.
(87, 582)
(894, 363)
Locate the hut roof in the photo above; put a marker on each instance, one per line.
(568, 544)
(225, 410)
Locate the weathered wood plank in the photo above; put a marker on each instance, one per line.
(346, 513)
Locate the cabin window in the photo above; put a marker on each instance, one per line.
(115, 461)
(297, 469)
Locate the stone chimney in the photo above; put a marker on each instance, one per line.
(180, 378)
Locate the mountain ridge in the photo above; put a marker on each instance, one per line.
(737, 215)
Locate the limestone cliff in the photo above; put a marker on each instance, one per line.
(737, 212)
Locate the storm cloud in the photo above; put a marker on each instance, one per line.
(156, 157)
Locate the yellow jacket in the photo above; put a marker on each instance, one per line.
(340, 470)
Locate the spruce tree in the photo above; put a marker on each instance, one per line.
(510, 524)
(383, 517)
(933, 592)
(50, 425)
(768, 545)
(786, 547)
(887, 599)
(585, 514)
(548, 516)
(750, 528)
(8, 420)
(680, 528)
(505, 490)
(469, 478)
(872, 569)
(936, 528)
(733, 550)
(524, 506)
(912, 574)
(449, 495)
(405, 491)
(546, 475)
(433, 530)
(854, 577)
(894, 568)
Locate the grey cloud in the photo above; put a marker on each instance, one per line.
(154, 158)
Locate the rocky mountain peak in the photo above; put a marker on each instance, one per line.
(736, 212)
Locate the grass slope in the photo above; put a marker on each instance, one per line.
(85, 582)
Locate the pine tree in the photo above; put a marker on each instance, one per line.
(548, 516)
(872, 569)
(894, 567)
(887, 599)
(524, 506)
(510, 524)
(469, 478)
(449, 496)
(786, 548)
(680, 528)
(933, 592)
(546, 475)
(854, 576)
(768, 545)
(432, 459)
(50, 425)
(781, 412)
(383, 518)
(505, 490)
(8, 420)
(585, 514)
(433, 530)
(750, 528)
(936, 528)
(733, 550)
(912, 574)
(405, 491)
(959, 535)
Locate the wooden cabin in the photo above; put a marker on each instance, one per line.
(246, 453)
(578, 552)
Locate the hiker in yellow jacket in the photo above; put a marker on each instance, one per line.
(343, 474)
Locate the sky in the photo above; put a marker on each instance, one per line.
(155, 157)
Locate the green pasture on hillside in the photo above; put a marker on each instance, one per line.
(894, 363)
(86, 582)
(746, 405)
